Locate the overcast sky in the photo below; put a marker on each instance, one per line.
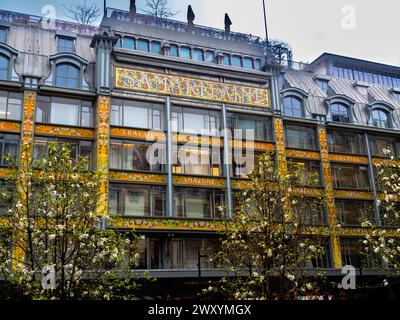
(365, 29)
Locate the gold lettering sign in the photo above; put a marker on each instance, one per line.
(192, 88)
(198, 181)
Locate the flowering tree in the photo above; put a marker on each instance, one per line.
(384, 243)
(264, 247)
(53, 226)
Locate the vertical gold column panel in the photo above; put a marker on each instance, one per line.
(330, 199)
(25, 154)
(102, 149)
(280, 145)
(27, 128)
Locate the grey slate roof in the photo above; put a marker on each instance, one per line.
(304, 80)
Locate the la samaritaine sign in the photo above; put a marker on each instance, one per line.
(138, 80)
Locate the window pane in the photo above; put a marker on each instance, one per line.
(198, 55)
(3, 35)
(237, 61)
(62, 113)
(209, 56)
(248, 63)
(174, 50)
(227, 59)
(136, 117)
(292, 107)
(142, 45)
(136, 203)
(67, 76)
(14, 109)
(3, 68)
(3, 105)
(155, 47)
(184, 52)
(129, 43)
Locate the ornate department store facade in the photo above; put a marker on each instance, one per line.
(114, 91)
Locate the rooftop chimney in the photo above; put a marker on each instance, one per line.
(228, 24)
(132, 7)
(190, 18)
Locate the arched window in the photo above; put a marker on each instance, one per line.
(67, 75)
(293, 107)
(380, 118)
(340, 113)
(4, 61)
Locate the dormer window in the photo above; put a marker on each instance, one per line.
(340, 113)
(67, 75)
(66, 44)
(67, 71)
(293, 106)
(4, 67)
(380, 118)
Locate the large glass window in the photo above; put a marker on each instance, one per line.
(340, 113)
(62, 111)
(137, 200)
(176, 253)
(197, 160)
(198, 203)
(352, 254)
(244, 165)
(350, 176)
(300, 137)
(310, 211)
(137, 114)
(10, 105)
(353, 212)
(345, 142)
(9, 146)
(78, 148)
(4, 61)
(6, 201)
(384, 146)
(307, 172)
(380, 118)
(293, 107)
(260, 126)
(195, 121)
(67, 75)
(66, 44)
(131, 155)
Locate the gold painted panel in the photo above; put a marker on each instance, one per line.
(292, 153)
(168, 224)
(138, 80)
(137, 134)
(138, 177)
(353, 194)
(348, 158)
(10, 126)
(64, 131)
(255, 145)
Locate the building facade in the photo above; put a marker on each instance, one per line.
(115, 91)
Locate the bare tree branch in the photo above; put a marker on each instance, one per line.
(159, 9)
(83, 13)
